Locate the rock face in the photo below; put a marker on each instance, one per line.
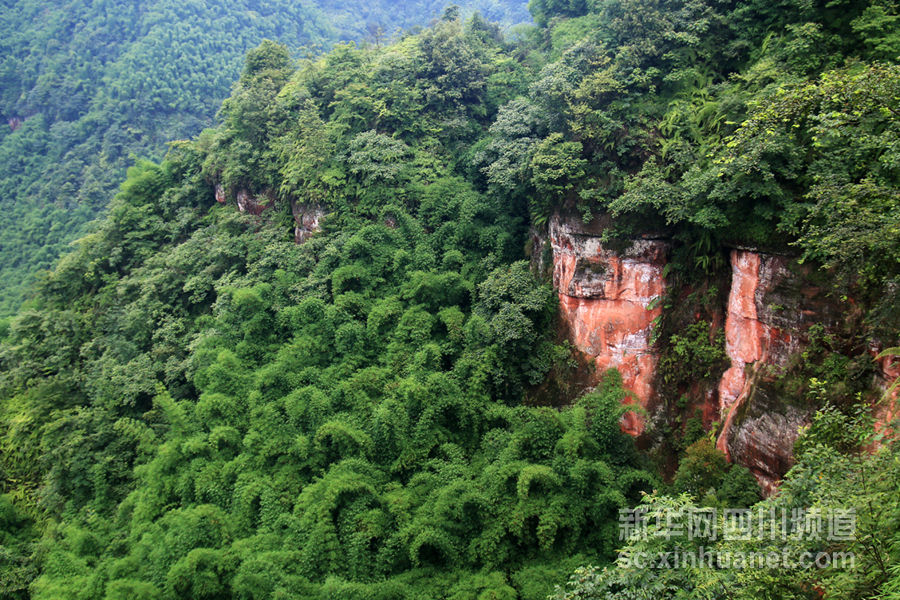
(607, 306)
(307, 220)
(249, 203)
(220, 193)
(246, 201)
(605, 298)
(768, 314)
(887, 373)
(307, 216)
(771, 308)
(760, 435)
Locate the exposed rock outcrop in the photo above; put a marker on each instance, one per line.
(887, 410)
(307, 220)
(605, 298)
(251, 203)
(607, 306)
(771, 308)
(247, 202)
(307, 216)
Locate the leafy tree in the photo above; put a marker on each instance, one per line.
(193, 405)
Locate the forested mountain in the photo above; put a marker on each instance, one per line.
(355, 20)
(85, 85)
(313, 353)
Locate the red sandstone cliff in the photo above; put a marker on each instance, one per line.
(605, 297)
(761, 439)
(771, 308)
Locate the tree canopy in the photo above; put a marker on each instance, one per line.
(192, 405)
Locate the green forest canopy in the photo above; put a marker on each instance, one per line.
(86, 85)
(193, 406)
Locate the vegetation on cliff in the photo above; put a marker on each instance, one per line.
(84, 86)
(193, 406)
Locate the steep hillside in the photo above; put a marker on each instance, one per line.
(83, 86)
(383, 331)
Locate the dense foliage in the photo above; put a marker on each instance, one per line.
(84, 85)
(841, 462)
(194, 406)
(232, 414)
